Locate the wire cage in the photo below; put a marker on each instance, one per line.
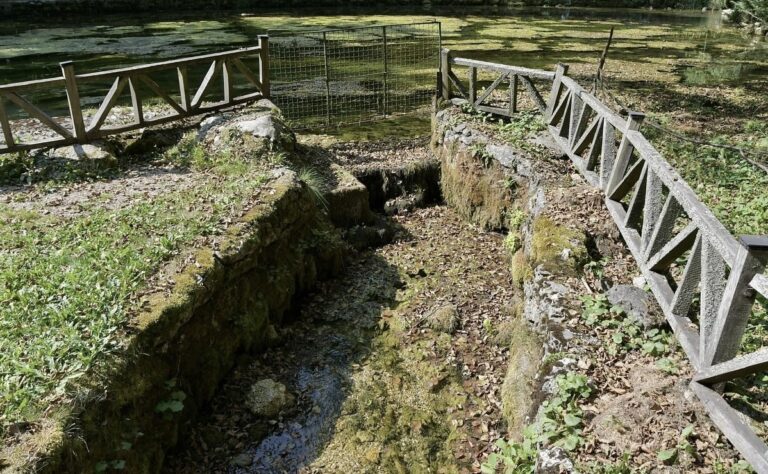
(331, 77)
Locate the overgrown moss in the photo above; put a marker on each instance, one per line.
(556, 246)
(525, 353)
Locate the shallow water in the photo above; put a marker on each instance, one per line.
(666, 46)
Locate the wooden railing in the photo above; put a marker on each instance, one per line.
(509, 74)
(182, 102)
(682, 249)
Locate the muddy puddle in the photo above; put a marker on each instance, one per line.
(394, 366)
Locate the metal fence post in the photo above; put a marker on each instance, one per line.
(327, 80)
(445, 68)
(264, 65)
(386, 70)
(73, 99)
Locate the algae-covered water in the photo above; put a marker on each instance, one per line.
(659, 46)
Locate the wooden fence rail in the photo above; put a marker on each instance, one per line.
(185, 101)
(704, 279)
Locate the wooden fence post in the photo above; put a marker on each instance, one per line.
(472, 86)
(264, 65)
(736, 304)
(562, 69)
(621, 161)
(73, 98)
(445, 69)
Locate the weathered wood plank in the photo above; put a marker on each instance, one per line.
(147, 68)
(713, 285)
(737, 367)
(739, 433)
(36, 113)
(719, 236)
(654, 198)
(735, 306)
(107, 104)
(73, 99)
(673, 249)
(5, 124)
(627, 181)
(246, 71)
(663, 227)
(760, 283)
(136, 105)
(556, 91)
(457, 83)
(472, 89)
(155, 87)
(637, 202)
(686, 290)
(489, 90)
(502, 68)
(624, 153)
(535, 95)
(213, 72)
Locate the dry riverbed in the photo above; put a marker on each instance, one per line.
(396, 364)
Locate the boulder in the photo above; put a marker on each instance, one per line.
(268, 398)
(636, 302)
(99, 154)
(553, 461)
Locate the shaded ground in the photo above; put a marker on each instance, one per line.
(379, 384)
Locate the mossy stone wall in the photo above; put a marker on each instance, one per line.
(186, 339)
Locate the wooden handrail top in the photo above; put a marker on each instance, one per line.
(720, 238)
(168, 64)
(54, 81)
(522, 71)
(59, 81)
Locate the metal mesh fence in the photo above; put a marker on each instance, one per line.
(330, 77)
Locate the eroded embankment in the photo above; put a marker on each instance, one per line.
(218, 296)
(609, 393)
(397, 364)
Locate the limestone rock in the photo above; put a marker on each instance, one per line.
(268, 127)
(97, 154)
(553, 461)
(267, 398)
(636, 302)
(444, 319)
(242, 460)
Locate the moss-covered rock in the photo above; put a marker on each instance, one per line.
(525, 353)
(556, 246)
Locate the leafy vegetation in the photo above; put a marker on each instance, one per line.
(559, 423)
(67, 284)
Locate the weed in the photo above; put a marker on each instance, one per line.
(480, 151)
(559, 423)
(316, 183)
(520, 128)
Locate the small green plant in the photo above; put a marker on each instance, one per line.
(316, 183)
(560, 423)
(520, 128)
(512, 242)
(515, 457)
(174, 403)
(625, 333)
(479, 150)
(516, 219)
(670, 456)
(668, 365)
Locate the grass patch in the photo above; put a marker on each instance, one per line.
(68, 285)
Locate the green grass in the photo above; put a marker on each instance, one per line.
(731, 187)
(68, 285)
